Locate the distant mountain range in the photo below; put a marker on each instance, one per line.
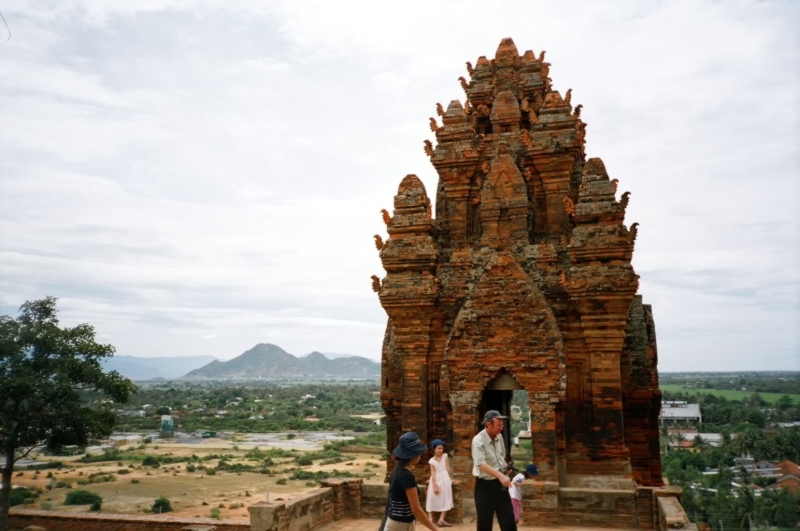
(167, 368)
(270, 362)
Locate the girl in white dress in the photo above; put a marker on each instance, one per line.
(440, 487)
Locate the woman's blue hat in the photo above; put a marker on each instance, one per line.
(409, 446)
(437, 442)
(532, 470)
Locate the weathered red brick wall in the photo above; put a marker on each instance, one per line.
(525, 271)
(60, 521)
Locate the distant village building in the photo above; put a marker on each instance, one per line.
(124, 440)
(675, 411)
(167, 426)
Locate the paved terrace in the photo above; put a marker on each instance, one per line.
(368, 524)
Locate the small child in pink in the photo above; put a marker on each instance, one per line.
(515, 491)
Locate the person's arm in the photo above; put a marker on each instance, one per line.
(447, 462)
(416, 508)
(496, 473)
(434, 484)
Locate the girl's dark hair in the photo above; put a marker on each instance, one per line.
(399, 465)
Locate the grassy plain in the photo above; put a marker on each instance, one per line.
(728, 394)
(191, 494)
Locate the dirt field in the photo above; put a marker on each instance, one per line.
(190, 493)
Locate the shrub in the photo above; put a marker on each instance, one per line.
(96, 506)
(63, 485)
(214, 513)
(82, 497)
(109, 455)
(304, 460)
(22, 495)
(123, 471)
(150, 461)
(134, 480)
(191, 468)
(161, 505)
(281, 481)
(46, 506)
(45, 465)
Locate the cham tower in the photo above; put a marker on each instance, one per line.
(523, 281)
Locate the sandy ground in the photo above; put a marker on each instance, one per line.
(188, 491)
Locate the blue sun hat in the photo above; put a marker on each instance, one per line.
(437, 442)
(532, 470)
(409, 446)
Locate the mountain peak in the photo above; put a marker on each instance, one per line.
(266, 361)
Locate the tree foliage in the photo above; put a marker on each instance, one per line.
(82, 497)
(48, 373)
(161, 505)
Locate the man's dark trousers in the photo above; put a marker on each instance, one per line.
(490, 498)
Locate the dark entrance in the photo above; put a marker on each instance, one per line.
(498, 395)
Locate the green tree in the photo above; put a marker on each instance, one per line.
(161, 505)
(48, 372)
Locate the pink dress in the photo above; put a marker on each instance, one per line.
(443, 501)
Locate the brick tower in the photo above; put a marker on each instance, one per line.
(522, 281)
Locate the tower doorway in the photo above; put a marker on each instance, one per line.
(498, 396)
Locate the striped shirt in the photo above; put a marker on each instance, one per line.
(399, 508)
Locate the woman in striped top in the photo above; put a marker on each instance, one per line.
(403, 508)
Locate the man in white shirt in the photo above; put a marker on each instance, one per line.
(491, 483)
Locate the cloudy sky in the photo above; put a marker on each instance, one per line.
(197, 176)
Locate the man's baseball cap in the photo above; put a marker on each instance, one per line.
(492, 414)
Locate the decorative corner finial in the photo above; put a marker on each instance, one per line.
(469, 68)
(541, 56)
(428, 148)
(376, 283)
(483, 110)
(439, 109)
(485, 167)
(528, 173)
(634, 231)
(614, 183)
(434, 125)
(525, 137)
(578, 108)
(386, 217)
(379, 242)
(569, 206)
(624, 200)
(568, 97)
(464, 84)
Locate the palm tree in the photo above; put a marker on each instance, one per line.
(699, 443)
(678, 438)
